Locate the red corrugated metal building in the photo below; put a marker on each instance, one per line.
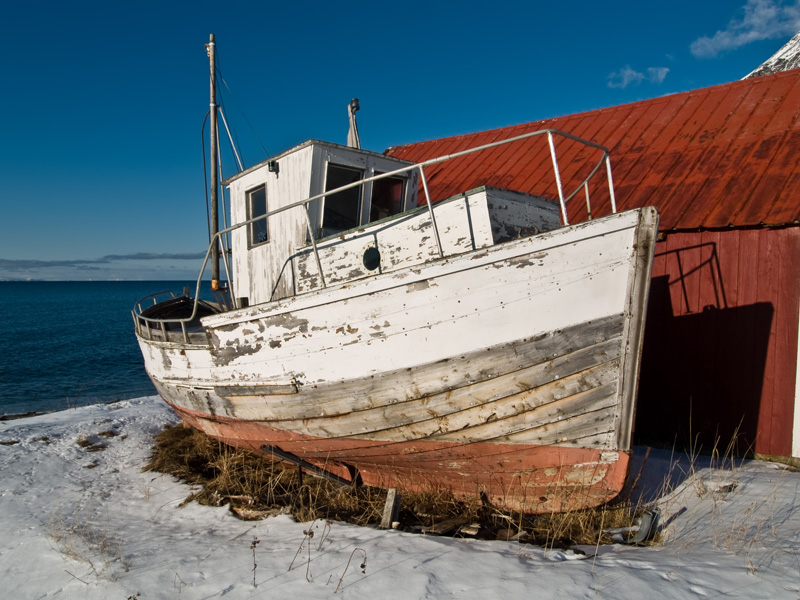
(721, 165)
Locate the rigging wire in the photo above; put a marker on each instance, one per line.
(224, 240)
(218, 70)
(233, 136)
(230, 139)
(224, 216)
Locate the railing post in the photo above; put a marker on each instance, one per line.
(225, 263)
(611, 184)
(430, 211)
(558, 177)
(588, 204)
(314, 246)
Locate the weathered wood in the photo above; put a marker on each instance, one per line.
(440, 390)
(406, 240)
(512, 217)
(555, 354)
(260, 389)
(445, 526)
(637, 290)
(520, 476)
(495, 417)
(391, 510)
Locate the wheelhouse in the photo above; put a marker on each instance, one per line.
(262, 251)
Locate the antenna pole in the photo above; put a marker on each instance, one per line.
(214, 168)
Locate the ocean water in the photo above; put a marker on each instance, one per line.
(71, 343)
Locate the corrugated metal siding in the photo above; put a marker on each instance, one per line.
(716, 157)
(721, 339)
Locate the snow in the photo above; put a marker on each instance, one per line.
(785, 59)
(76, 523)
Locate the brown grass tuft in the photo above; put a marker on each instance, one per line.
(256, 485)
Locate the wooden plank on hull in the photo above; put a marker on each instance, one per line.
(256, 389)
(453, 373)
(580, 431)
(480, 393)
(546, 424)
(545, 410)
(638, 289)
(492, 416)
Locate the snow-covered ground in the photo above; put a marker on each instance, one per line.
(76, 523)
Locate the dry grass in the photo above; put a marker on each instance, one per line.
(257, 486)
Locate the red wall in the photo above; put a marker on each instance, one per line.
(720, 348)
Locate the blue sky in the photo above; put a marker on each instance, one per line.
(103, 102)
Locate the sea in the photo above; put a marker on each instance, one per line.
(71, 343)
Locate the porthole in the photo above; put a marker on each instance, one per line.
(372, 258)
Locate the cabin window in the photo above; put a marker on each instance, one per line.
(257, 207)
(387, 197)
(343, 209)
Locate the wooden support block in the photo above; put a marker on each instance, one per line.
(391, 509)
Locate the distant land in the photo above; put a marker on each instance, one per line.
(140, 266)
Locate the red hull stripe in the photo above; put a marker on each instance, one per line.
(514, 476)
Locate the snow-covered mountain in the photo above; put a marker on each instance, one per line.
(785, 59)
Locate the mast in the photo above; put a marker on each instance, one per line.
(214, 183)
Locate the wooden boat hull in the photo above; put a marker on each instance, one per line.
(526, 477)
(508, 371)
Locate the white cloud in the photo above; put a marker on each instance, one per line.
(627, 76)
(762, 20)
(624, 77)
(657, 74)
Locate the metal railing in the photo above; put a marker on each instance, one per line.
(143, 322)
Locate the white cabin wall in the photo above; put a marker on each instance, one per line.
(239, 259)
(262, 272)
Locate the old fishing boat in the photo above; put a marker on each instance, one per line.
(369, 332)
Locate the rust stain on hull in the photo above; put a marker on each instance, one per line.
(523, 477)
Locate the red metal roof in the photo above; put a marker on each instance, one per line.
(724, 156)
